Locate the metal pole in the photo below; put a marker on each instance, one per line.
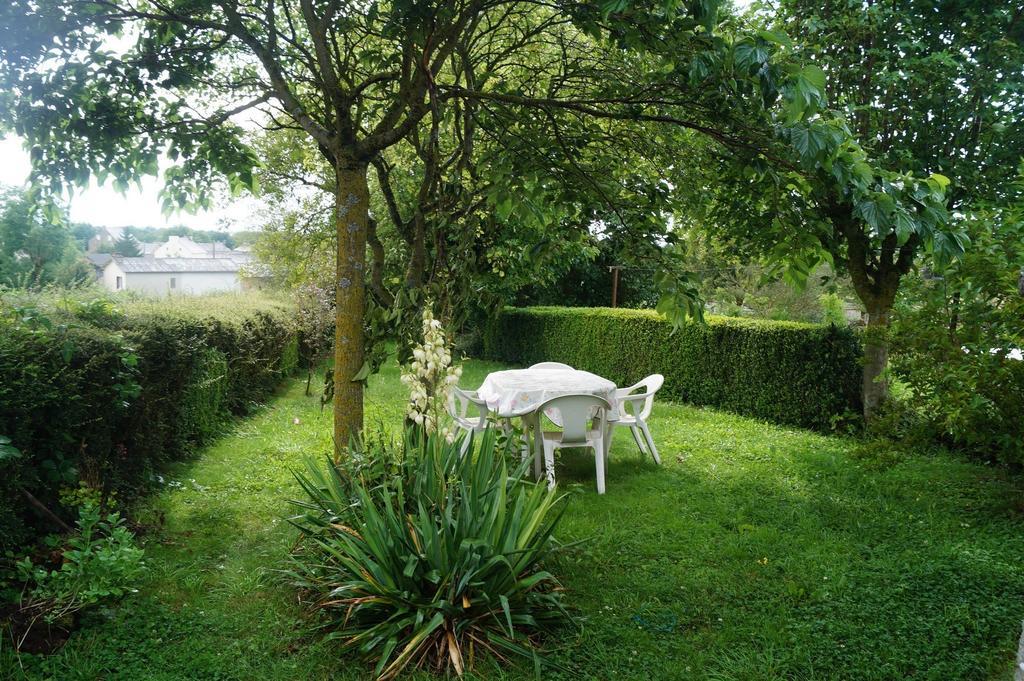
(615, 284)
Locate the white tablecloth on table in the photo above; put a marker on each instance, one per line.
(520, 391)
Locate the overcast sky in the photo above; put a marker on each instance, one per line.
(107, 207)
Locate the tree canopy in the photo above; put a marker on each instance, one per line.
(516, 124)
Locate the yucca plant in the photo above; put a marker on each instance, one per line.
(432, 565)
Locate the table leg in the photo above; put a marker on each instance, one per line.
(609, 428)
(537, 446)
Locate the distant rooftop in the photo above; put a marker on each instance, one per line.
(148, 263)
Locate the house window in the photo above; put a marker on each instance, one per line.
(174, 283)
(119, 284)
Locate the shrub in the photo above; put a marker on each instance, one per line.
(787, 372)
(316, 316)
(832, 311)
(956, 338)
(204, 400)
(433, 564)
(100, 390)
(99, 562)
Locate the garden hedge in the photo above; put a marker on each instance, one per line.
(102, 391)
(790, 373)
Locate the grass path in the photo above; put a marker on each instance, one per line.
(755, 552)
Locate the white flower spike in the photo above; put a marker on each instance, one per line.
(430, 377)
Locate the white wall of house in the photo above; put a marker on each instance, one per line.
(183, 282)
(114, 278)
(167, 283)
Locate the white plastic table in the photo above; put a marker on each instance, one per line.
(518, 393)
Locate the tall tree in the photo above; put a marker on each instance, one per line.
(783, 168)
(126, 245)
(927, 87)
(355, 78)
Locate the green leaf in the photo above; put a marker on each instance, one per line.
(8, 452)
(504, 207)
(905, 226)
(815, 76)
(777, 37)
(363, 373)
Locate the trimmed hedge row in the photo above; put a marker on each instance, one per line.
(102, 391)
(786, 372)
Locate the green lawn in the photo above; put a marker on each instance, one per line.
(753, 552)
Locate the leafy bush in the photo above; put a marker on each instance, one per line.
(954, 341)
(832, 311)
(100, 390)
(787, 372)
(316, 316)
(100, 562)
(204, 399)
(431, 565)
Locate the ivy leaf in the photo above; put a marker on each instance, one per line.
(749, 55)
(875, 211)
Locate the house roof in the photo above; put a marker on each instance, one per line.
(219, 247)
(197, 249)
(148, 263)
(98, 259)
(113, 233)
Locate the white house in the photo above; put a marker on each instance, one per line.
(163, 276)
(181, 265)
(105, 236)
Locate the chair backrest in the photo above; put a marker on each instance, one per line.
(652, 384)
(574, 412)
(649, 386)
(550, 365)
(458, 407)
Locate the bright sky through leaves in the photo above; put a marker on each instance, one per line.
(106, 207)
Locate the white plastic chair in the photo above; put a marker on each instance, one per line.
(635, 404)
(458, 408)
(576, 414)
(552, 365)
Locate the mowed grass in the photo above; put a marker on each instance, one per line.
(753, 552)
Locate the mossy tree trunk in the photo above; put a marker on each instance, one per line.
(351, 213)
(875, 385)
(875, 270)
